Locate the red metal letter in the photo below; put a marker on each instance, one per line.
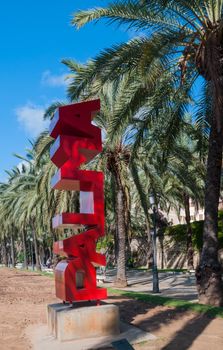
(77, 142)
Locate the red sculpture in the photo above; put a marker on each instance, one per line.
(77, 142)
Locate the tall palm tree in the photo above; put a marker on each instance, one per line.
(184, 37)
(21, 197)
(175, 174)
(24, 204)
(143, 124)
(183, 183)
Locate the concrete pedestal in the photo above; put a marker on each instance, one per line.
(71, 323)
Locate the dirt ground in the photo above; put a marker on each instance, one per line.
(24, 296)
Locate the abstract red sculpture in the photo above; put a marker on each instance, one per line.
(77, 142)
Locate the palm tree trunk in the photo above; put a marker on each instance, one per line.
(116, 242)
(12, 249)
(161, 242)
(121, 218)
(25, 265)
(5, 256)
(127, 224)
(208, 274)
(121, 280)
(36, 250)
(190, 251)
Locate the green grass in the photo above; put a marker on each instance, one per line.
(172, 270)
(209, 310)
(159, 270)
(43, 273)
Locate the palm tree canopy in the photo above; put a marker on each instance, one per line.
(182, 36)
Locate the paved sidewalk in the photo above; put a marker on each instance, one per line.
(42, 340)
(172, 284)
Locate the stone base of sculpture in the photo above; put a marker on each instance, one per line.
(67, 322)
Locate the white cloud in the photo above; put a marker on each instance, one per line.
(30, 117)
(50, 79)
(20, 164)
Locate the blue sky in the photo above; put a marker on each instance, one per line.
(35, 37)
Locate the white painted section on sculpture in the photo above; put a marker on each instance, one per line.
(86, 202)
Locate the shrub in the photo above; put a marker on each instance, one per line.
(178, 233)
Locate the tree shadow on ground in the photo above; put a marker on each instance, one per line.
(185, 337)
(176, 295)
(176, 259)
(184, 281)
(134, 311)
(129, 309)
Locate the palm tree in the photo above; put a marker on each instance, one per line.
(184, 37)
(21, 196)
(174, 174)
(184, 182)
(143, 124)
(23, 205)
